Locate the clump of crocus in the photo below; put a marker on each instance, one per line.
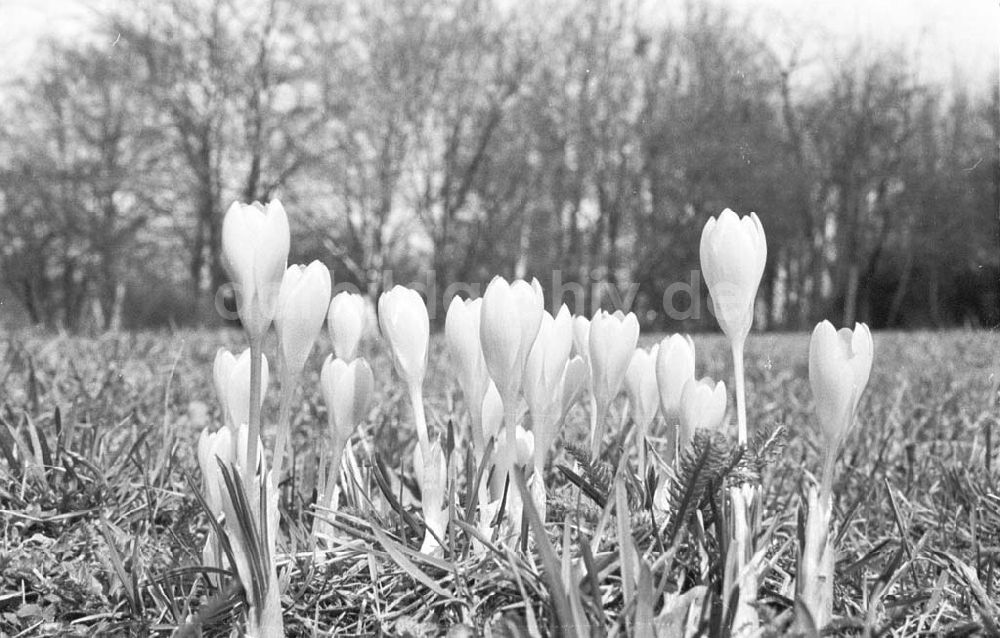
(611, 342)
(511, 317)
(346, 322)
(302, 305)
(839, 365)
(255, 243)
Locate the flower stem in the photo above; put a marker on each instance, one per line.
(284, 427)
(253, 433)
(420, 418)
(826, 480)
(741, 398)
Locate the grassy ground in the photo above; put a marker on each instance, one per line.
(101, 533)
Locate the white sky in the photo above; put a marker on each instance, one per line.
(944, 37)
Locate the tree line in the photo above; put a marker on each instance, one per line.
(451, 140)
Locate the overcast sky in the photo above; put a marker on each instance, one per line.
(942, 36)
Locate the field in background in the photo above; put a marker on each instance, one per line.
(93, 538)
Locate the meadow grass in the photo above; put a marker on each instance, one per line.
(102, 531)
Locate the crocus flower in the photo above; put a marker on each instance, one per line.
(254, 252)
(302, 304)
(511, 316)
(674, 367)
(492, 412)
(346, 322)
(347, 392)
(612, 341)
(643, 396)
(403, 318)
(572, 382)
(461, 332)
(546, 365)
(221, 369)
(232, 382)
(212, 447)
(733, 252)
(703, 407)
(839, 365)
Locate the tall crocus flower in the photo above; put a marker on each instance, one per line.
(347, 391)
(612, 341)
(545, 367)
(733, 254)
(703, 407)
(255, 243)
(403, 318)
(643, 396)
(302, 304)
(346, 321)
(839, 365)
(840, 362)
(511, 315)
(461, 332)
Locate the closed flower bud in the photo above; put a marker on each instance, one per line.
(461, 332)
(492, 413)
(511, 316)
(221, 369)
(674, 367)
(347, 391)
(524, 446)
(232, 382)
(703, 407)
(612, 341)
(254, 252)
(302, 304)
(572, 382)
(403, 318)
(211, 448)
(346, 322)
(839, 365)
(546, 365)
(640, 384)
(733, 253)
